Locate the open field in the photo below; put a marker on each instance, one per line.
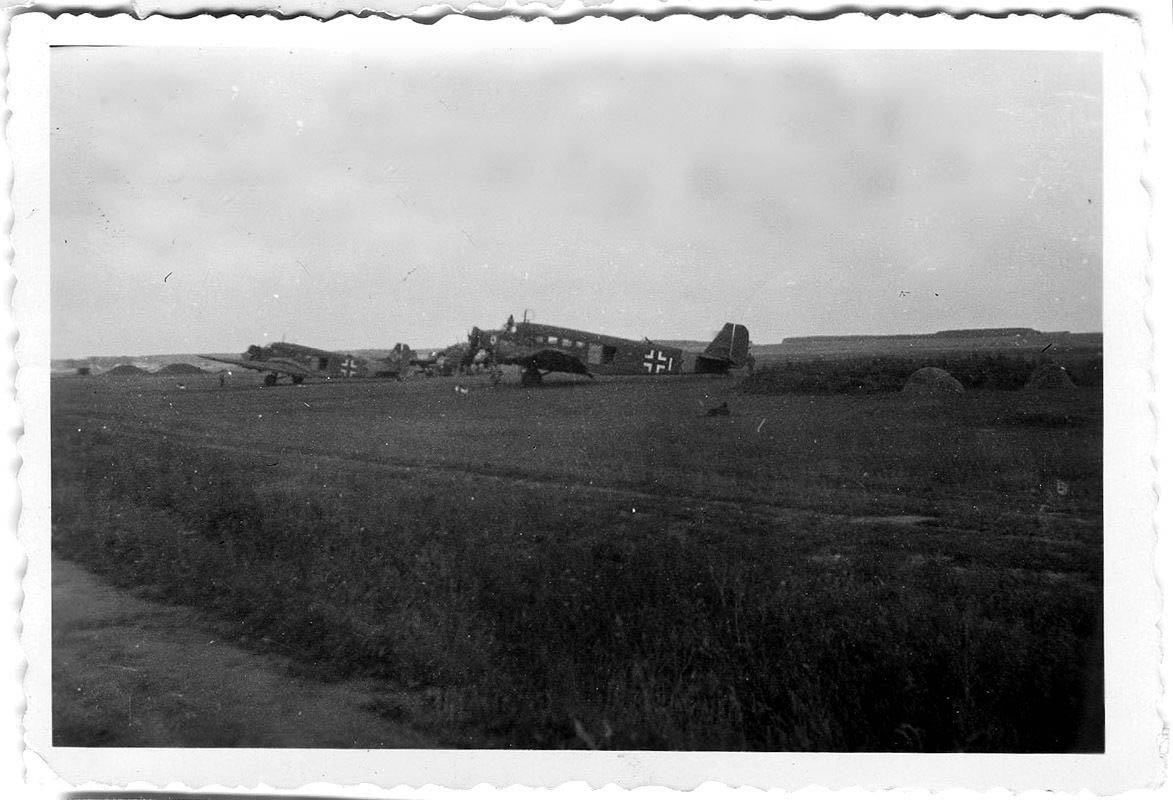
(601, 564)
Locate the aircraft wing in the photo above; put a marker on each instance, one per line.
(277, 366)
(551, 360)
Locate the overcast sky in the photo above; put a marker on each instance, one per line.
(203, 200)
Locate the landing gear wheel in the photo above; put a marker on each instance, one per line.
(297, 379)
(531, 377)
(270, 379)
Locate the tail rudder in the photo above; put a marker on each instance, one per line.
(729, 349)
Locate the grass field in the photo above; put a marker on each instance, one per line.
(851, 373)
(602, 565)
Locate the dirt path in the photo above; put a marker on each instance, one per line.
(130, 672)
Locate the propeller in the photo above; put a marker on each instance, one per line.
(474, 344)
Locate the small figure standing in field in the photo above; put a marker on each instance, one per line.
(719, 411)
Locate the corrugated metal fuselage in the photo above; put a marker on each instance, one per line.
(323, 363)
(602, 355)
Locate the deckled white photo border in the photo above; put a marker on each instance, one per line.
(1131, 599)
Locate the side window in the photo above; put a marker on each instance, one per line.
(551, 340)
(608, 353)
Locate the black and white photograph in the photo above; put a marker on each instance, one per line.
(578, 388)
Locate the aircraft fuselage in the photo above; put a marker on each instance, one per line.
(542, 348)
(601, 354)
(300, 362)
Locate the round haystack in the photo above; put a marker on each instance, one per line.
(127, 369)
(932, 381)
(180, 369)
(1050, 377)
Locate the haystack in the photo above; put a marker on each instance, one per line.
(180, 368)
(1050, 377)
(932, 381)
(127, 369)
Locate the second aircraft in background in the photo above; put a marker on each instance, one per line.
(300, 362)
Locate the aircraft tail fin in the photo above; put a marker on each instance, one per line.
(730, 349)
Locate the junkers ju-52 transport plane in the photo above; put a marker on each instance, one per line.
(300, 362)
(542, 349)
(441, 362)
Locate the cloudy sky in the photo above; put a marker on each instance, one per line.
(206, 199)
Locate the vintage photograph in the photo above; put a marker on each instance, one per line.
(610, 386)
(695, 400)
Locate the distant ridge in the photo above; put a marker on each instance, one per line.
(180, 368)
(126, 369)
(148, 363)
(958, 333)
(977, 339)
(986, 332)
